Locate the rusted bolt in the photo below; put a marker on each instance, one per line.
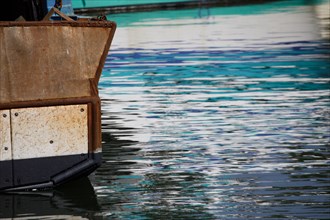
(6, 148)
(4, 115)
(82, 110)
(16, 114)
(51, 141)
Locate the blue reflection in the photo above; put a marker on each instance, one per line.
(227, 115)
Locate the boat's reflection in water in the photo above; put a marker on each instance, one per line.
(76, 200)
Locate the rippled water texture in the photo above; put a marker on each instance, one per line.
(219, 113)
(224, 116)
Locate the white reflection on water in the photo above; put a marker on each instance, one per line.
(223, 117)
(242, 32)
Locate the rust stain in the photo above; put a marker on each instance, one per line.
(46, 67)
(49, 131)
(49, 60)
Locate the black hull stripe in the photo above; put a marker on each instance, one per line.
(45, 172)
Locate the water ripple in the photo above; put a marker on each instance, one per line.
(237, 129)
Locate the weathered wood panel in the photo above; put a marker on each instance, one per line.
(5, 139)
(45, 61)
(49, 131)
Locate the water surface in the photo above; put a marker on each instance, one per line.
(220, 113)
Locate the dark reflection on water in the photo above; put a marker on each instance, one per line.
(75, 200)
(156, 195)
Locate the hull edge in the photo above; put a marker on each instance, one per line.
(49, 172)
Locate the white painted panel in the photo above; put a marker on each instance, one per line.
(5, 141)
(49, 131)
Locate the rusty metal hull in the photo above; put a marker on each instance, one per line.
(50, 117)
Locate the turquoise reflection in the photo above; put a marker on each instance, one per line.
(219, 117)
